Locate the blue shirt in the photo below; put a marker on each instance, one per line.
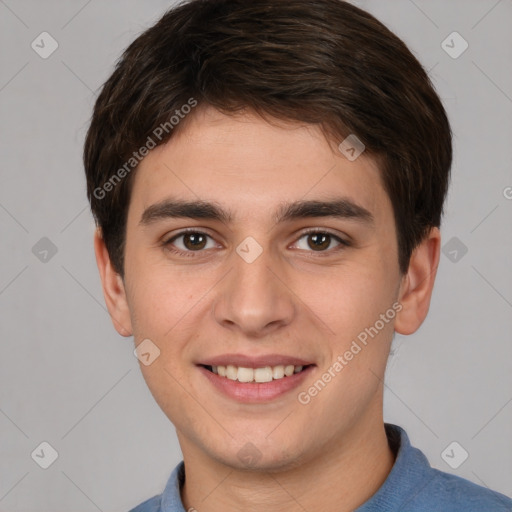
(411, 486)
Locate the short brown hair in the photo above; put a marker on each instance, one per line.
(325, 62)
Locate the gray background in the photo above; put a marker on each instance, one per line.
(69, 379)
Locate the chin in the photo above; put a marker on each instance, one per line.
(265, 459)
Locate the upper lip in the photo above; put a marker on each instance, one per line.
(254, 362)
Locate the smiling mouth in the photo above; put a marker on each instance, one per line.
(255, 375)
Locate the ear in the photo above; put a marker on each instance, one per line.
(113, 288)
(417, 284)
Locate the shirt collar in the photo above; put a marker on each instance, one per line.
(409, 474)
(171, 499)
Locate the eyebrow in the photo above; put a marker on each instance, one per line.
(341, 208)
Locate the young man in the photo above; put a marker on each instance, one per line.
(268, 182)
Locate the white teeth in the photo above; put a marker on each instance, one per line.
(245, 374)
(288, 370)
(278, 372)
(231, 372)
(264, 374)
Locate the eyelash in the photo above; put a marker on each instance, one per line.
(168, 243)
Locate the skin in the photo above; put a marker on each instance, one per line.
(291, 300)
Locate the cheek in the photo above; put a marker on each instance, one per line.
(351, 306)
(168, 306)
(155, 296)
(350, 299)
(153, 304)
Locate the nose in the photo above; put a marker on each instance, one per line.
(254, 299)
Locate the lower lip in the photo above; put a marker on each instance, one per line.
(256, 392)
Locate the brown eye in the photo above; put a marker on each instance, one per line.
(319, 241)
(194, 241)
(188, 242)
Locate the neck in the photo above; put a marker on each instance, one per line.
(341, 478)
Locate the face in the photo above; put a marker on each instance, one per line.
(252, 281)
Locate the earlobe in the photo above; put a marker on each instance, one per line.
(418, 283)
(113, 288)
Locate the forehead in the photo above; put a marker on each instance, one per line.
(249, 164)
